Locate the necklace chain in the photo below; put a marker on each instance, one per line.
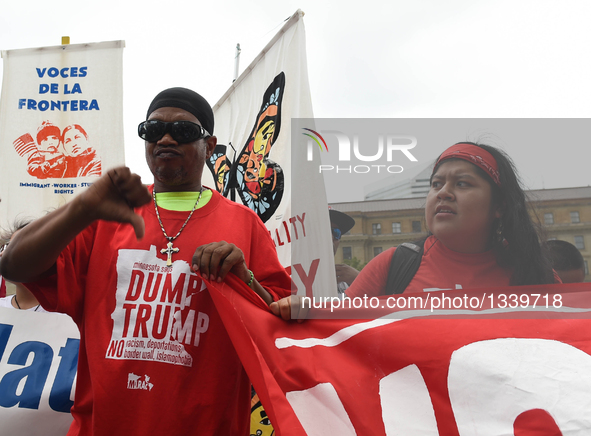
(19, 306)
(170, 249)
(170, 239)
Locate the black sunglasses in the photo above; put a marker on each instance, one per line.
(336, 233)
(181, 131)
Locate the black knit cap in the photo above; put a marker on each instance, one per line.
(188, 100)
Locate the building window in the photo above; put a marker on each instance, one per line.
(347, 253)
(548, 218)
(376, 251)
(376, 229)
(580, 242)
(574, 217)
(416, 226)
(396, 228)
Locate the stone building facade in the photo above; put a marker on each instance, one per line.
(380, 224)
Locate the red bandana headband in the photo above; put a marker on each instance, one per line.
(475, 155)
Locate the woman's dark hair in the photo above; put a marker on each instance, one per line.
(518, 246)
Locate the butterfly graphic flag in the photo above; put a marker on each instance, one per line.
(521, 370)
(61, 123)
(256, 164)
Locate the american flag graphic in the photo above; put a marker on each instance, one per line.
(25, 145)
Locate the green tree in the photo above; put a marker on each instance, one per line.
(355, 263)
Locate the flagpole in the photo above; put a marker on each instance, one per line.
(236, 62)
(292, 20)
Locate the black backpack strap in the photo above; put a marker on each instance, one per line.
(405, 263)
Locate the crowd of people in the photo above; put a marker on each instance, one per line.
(97, 259)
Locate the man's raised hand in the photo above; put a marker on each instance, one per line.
(113, 197)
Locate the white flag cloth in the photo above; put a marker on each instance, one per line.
(280, 184)
(38, 363)
(61, 123)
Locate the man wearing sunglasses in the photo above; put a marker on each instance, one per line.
(154, 355)
(341, 223)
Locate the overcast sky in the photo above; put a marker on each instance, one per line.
(371, 59)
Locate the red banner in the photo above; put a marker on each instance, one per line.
(387, 376)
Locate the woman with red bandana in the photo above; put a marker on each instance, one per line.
(481, 234)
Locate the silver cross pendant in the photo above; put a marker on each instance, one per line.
(169, 250)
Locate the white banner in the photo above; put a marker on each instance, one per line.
(38, 362)
(61, 123)
(254, 118)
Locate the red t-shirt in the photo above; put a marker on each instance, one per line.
(440, 269)
(2, 287)
(155, 357)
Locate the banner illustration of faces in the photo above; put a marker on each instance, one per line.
(56, 154)
(260, 425)
(220, 165)
(258, 180)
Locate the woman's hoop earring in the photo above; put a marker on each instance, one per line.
(499, 235)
